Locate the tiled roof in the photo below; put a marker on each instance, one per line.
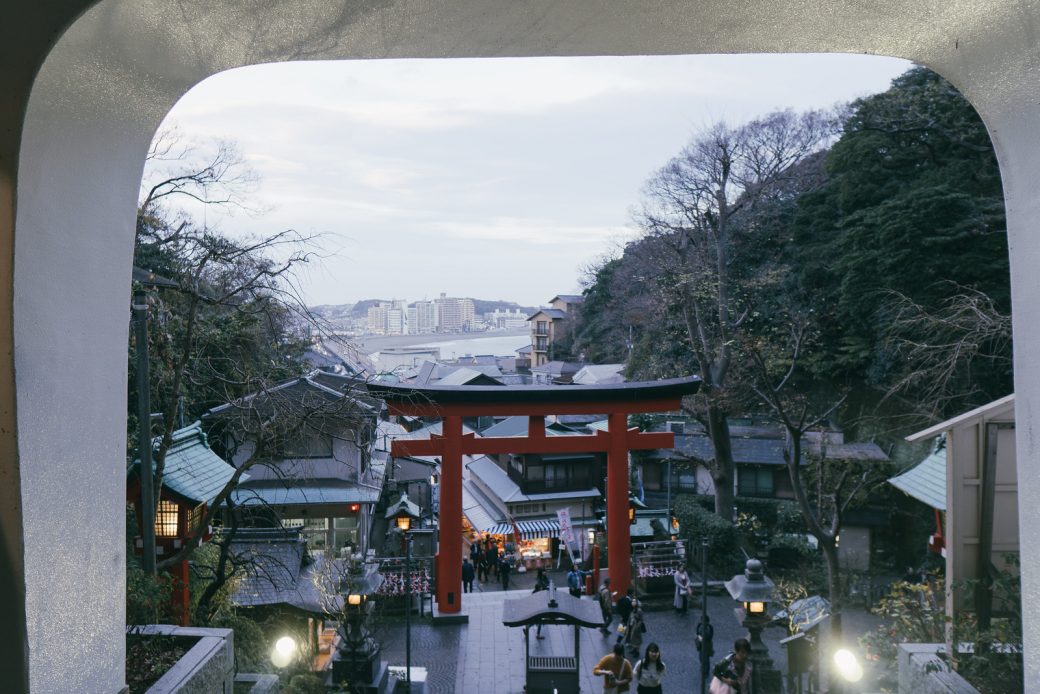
(549, 312)
(192, 470)
(293, 492)
(569, 298)
(517, 426)
(277, 571)
(495, 478)
(926, 481)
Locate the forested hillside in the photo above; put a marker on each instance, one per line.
(868, 244)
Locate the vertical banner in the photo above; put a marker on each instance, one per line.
(563, 515)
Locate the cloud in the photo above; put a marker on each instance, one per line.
(535, 232)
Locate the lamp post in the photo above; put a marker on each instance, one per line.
(144, 434)
(404, 512)
(754, 592)
(705, 631)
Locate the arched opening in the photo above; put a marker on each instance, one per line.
(99, 96)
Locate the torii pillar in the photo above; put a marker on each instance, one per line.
(452, 403)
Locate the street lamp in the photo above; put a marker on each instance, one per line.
(754, 592)
(403, 513)
(634, 505)
(357, 653)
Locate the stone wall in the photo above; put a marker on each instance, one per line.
(921, 671)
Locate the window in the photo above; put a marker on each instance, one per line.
(755, 481)
(195, 517)
(166, 518)
(542, 328)
(541, 344)
(677, 427)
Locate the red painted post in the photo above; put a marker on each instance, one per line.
(595, 570)
(449, 557)
(619, 536)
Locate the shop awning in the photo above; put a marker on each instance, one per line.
(529, 530)
(477, 512)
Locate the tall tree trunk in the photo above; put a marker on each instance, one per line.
(722, 474)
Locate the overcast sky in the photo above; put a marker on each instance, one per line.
(494, 179)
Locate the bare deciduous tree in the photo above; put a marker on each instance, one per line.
(695, 215)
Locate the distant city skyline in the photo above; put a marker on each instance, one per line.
(493, 178)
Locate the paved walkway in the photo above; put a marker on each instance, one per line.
(487, 657)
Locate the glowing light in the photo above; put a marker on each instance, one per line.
(284, 650)
(756, 607)
(848, 666)
(354, 599)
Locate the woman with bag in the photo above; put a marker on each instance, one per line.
(732, 674)
(649, 671)
(682, 590)
(635, 628)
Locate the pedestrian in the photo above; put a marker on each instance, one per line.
(474, 549)
(732, 674)
(649, 671)
(541, 582)
(635, 628)
(624, 606)
(705, 646)
(575, 579)
(467, 576)
(606, 606)
(503, 572)
(616, 670)
(492, 558)
(682, 590)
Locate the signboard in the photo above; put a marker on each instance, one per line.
(563, 515)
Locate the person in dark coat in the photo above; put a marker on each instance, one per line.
(624, 606)
(541, 582)
(468, 573)
(705, 646)
(503, 572)
(492, 558)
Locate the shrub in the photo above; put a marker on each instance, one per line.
(724, 554)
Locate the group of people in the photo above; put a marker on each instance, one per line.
(730, 675)
(485, 560)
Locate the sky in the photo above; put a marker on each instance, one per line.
(500, 178)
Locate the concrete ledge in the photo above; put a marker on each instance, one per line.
(261, 684)
(207, 668)
(922, 671)
(443, 618)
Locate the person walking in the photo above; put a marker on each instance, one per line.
(606, 606)
(649, 671)
(705, 646)
(575, 579)
(541, 582)
(635, 628)
(616, 671)
(492, 558)
(682, 590)
(732, 674)
(503, 572)
(624, 606)
(468, 573)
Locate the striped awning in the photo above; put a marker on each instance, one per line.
(529, 530)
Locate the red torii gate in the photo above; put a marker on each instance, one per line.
(452, 403)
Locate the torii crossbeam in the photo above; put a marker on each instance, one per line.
(452, 403)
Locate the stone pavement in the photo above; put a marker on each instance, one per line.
(486, 657)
